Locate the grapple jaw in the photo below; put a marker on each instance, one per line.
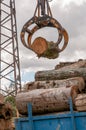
(42, 47)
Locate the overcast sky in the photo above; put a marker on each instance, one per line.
(71, 15)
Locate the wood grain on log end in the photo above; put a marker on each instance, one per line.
(6, 111)
(39, 45)
(80, 102)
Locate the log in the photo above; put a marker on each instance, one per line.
(1, 99)
(80, 102)
(44, 48)
(6, 111)
(71, 65)
(46, 100)
(51, 52)
(77, 81)
(5, 117)
(60, 74)
(39, 45)
(6, 124)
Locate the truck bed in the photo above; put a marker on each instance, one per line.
(71, 120)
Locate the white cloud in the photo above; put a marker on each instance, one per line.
(72, 19)
(64, 3)
(71, 15)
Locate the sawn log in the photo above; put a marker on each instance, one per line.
(60, 74)
(71, 65)
(43, 48)
(6, 114)
(1, 99)
(80, 102)
(46, 100)
(76, 81)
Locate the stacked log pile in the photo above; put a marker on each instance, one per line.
(5, 115)
(51, 90)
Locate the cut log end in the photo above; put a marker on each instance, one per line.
(39, 45)
(44, 48)
(6, 111)
(80, 102)
(5, 115)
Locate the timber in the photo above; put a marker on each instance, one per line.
(46, 100)
(60, 74)
(77, 81)
(80, 102)
(51, 90)
(5, 124)
(65, 65)
(51, 52)
(43, 48)
(6, 111)
(39, 45)
(6, 114)
(1, 99)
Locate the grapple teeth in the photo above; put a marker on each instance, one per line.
(41, 46)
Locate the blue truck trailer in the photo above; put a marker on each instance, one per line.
(71, 120)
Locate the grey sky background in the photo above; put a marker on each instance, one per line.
(71, 16)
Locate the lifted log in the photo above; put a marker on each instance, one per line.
(44, 48)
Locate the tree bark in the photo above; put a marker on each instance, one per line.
(6, 111)
(80, 102)
(60, 74)
(1, 99)
(77, 81)
(71, 65)
(46, 100)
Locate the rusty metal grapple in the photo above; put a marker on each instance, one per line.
(43, 18)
